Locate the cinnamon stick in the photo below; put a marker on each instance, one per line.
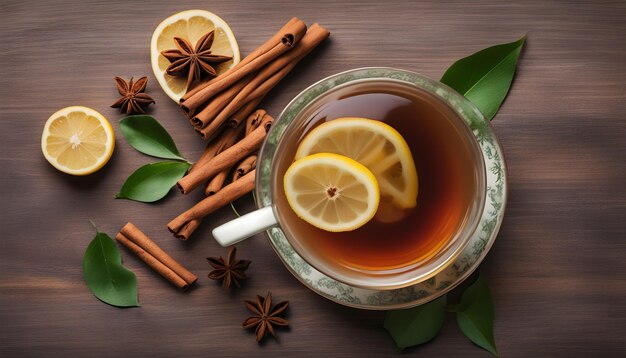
(210, 151)
(244, 112)
(253, 120)
(217, 104)
(291, 36)
(155, 264)
(188, 229)
(138, 237)
(185, 224)
(234, 120)
(214, 185)
(226, 159)
(245, 166)
(150, 253)
(228, 137)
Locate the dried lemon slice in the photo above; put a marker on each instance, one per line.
(77, 140)
(374, 144)
(331, 192)
(190, 25)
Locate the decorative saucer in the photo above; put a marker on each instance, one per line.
(457, 270)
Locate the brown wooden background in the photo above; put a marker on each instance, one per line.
(557, 271)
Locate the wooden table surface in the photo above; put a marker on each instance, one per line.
(557, 270)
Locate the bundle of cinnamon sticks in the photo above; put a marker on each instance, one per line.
(214, 167)
(150, 253)
(218, 108)
(232, 96)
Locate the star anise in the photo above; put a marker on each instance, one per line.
(193, 62)
(265, 316)
(133, 99)
(229, 270)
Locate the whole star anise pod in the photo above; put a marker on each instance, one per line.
(265, 316)
(193, 62)
(133, 99)
(230, 270)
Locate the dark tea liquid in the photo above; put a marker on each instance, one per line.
(443, 159)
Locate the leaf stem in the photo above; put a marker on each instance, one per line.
(94, 225)
(232, 206)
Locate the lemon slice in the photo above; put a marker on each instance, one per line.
(331, 192)
(77, 140)
(374, 144)
(190, 25)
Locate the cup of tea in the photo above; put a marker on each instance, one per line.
(395, 248)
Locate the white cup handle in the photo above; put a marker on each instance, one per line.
(245, 226)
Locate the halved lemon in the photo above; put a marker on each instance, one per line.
(331, 192)
(77, 140)
(376, 145)
(190, 25)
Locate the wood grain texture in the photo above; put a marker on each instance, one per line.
(557, 270)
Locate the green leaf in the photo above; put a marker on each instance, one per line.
(475, 315)
(485, 77)
(105, 276)
(152, 181)
(416, 325)
(145, 134)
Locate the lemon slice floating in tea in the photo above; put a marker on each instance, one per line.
(77, 140)
(377, 146)
(190, 25)
(331, 192)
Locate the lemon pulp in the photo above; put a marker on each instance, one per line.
(374, 144)
(77, 140)
(331, 191)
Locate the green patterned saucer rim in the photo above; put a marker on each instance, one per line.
(457, 270)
